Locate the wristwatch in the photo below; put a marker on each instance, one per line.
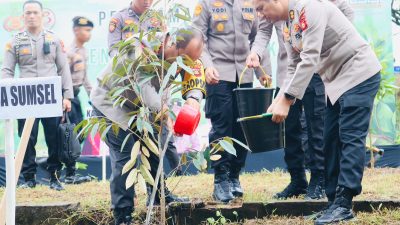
(290, 98)
(195, 98)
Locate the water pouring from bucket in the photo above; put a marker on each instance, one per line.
(261, 133)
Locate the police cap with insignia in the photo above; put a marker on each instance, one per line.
(80, 21)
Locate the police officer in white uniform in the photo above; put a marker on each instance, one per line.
(330, 45)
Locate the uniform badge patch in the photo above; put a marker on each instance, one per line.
(291, 15)
(247, 4)
(198, 10)
(113, 24)
(215, 17)
(286, 35)
(298, 36)
(220, 27)
(296, 27)
(224, 16)
(8, 46)
(303, 20)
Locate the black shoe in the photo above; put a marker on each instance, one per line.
(169, 197)
(56, 185)
(297, 186)
(236, 189)
(222, 187)
(76, 179)
(335, 214)
(340, 210)
(123, 216)
(317, 215)
(28, 184)
(316, 188)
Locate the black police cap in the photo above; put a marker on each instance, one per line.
(80, 21)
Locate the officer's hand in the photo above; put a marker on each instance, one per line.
(67, 105)
(193, 103)
(212, 75)
(253, 60)
(280, 109)
(265, 80)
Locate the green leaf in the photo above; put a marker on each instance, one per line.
(152, 146)
(183, 66)
(182, 17)
(104, 133)
(223, 220)
(146, 175)
(227, 147)
(145, 161)
(218, 213)
(142, 182)
(145, 151)
(211, 220)
(131, 179)
(135, 150)
(94, 130)
(128, 166)
(81, 166)
(148, 127)
(241, 144)
(125, 140)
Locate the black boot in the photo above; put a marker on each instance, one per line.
(236, 188)
(317, 215)
(30, 181)
(169, 196)
(222, 187)
(123, 216)
(55, 183)
(72, 178)
(316, 188)
(298, 185)
(340, 210)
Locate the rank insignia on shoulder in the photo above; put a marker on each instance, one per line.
(198, 9)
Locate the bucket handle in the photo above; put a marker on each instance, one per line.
(267, 84)
(254, 117)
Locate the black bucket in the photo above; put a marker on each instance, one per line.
(262, 135)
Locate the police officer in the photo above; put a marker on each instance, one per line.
(118, 30)
(130, 16)
(38, 53)
(313, 103)
(330, 45)
(190, 45)
(77, 59)
(229, 26)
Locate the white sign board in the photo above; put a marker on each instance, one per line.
(38, 97)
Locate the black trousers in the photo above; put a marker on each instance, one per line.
(221, 108)
(120, 196)
(346, 129)
(313, 103)
(50, 126)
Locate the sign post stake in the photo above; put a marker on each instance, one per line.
(10, 172)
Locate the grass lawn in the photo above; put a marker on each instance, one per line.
(378, 184)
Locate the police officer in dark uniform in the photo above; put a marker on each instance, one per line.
(77, 59)
(330, 45)
(39, 52)
(229, 26)
(121, 197)
(313, 104)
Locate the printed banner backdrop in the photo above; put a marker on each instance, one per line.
(373, 21)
